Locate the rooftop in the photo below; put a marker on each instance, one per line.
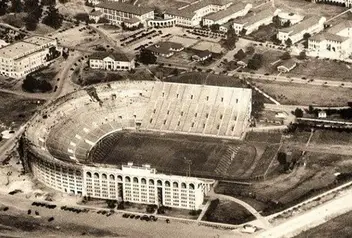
(188, 10)
(227, 12)
(328, 36)
(306, 23)
(340, 27)
(124, 7)
(169, 45)
(22, 47)
(117, 56)
(254, 17)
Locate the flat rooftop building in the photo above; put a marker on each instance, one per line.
(23, 57)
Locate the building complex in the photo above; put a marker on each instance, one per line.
(111, 61)
(26, 56)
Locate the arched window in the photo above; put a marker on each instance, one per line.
(96, 175)
(143, 181)
(175, 184)
(159, 183)
(167, 184)
(89, 174)
(103, 176)
(112, 177)
(119, 178)
(135, 180)
(151, 182)
(191, 186)
(127, 179)
(183, 185)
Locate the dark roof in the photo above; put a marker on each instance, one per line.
(216, 16)
(306, 23)
(124, 7)
(169, 45)
(328, 36)
(159, 50)
(203, 53)
(117, 56)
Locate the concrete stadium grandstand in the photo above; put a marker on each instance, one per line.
(105, 141)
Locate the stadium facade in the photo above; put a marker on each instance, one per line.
(60, 138)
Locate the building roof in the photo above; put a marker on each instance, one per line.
(340, 27)
(288, 64)
(21, 47)
(169, 45)
(328, 36)
(132, 20)
(187, 11)
(254, 17)
(117, 56)
(227, 12)
(96, 13)
(202, 53)
(124, 7)
(38, 40)
(306, 23)
(159, 50)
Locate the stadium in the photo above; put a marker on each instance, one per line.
(140, 141)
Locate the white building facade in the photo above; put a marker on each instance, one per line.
(111, 61)
(118, 12)
(24, 57)
(346, 3)
(296, 32)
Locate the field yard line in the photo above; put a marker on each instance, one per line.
(271, 162)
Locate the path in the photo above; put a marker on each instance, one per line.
(251, 209)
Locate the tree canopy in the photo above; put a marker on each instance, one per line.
(255, 62)
(147, 57)
(53, 18)
(231, 39)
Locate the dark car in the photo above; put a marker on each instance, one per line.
(50, 219)
(132, 216)
(137, 217)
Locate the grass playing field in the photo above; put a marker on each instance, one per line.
(210, 157)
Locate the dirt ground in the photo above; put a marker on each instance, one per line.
(211, 46)
(301, 94)
(309, 8)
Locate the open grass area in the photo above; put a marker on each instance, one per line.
(207, 79)
(287, 189)
(331, 137)
(15, 110)
(303, 94)
(229, 212)
(167, 153)
(322, 69)
(337, 227)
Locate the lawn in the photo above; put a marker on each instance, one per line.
(167, 153)
(331, 137)
(228, 212)
(322, 69)
(302, 94)
(264, 33)
(337, 227)
(15, 110)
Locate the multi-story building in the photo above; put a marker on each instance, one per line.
(111, 61)
(191, 15)
(95, 2)
(335, 43)
(232, 12)
(346, 3)
(23, 57)
(251, 22)
(144, 185)
(118, 12)
(295, 33)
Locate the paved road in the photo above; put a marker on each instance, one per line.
(43, 96)
(10, 143)
(311, 218)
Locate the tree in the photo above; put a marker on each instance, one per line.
(250, 50)
(298, 112)
(215, 27)
(16, 6)
(53, 18)
(147, 57)
(288, 42)
(3, 7)
(104, 20)
(31, 22)
(285, 56)
(306, 36)
(302, 55)
(63, 1)
(84, 17)
(287, 23)
(48, 2)
(240, 55)
(276, 21)
(231, 39)
(243, 32)
(255, 62)
(31, 84)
